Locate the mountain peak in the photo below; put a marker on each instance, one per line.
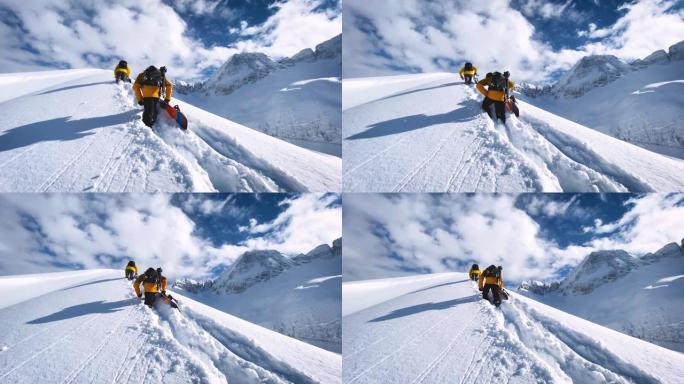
(596, 269)
(588, 73)
(676, 51)
(251, 268)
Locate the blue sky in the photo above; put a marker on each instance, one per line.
(535, 236)
(535, 39)
(189, 235)
(191, 37)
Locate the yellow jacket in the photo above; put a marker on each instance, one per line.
(469, 73)
(474, 271)
(132, 268)
(148, 287)
(490, 280)
(126, 70)
(142, 91)
(493, 94)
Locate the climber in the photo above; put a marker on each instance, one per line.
(131, 270)
(491, 280)
(495, 94)
(153, 284)
(122, 72)
(474, 272)
(149, 87)
(467, 73)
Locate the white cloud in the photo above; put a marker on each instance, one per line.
(646, 26)
(42, 232)
(296, 25)
(389, 235)
(97, 33)
(418, 36)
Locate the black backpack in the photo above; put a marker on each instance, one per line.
(152, 76)
(468, 66)
(475, 266)
(123, 64)
(151, 276)
(498, 82)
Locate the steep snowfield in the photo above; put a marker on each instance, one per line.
(90, 328)
(299, 297)
(75, 130)
(427, 133)
(640, 296)
(645, 106)
(441, 331)
(296, 99)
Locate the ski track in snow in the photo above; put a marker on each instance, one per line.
(445, 333)
(415, 141)
(123, 155)
(118, 340)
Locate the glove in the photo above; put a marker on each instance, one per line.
(140, 103)
(480, 289)
(167, 101)
(164, 293)
(139, 296)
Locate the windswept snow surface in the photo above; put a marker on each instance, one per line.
(443, 332)
(76, 131)
(427, 133)
(94, 330)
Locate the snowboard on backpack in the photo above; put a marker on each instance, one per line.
(176, 114)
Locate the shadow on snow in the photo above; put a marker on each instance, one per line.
(61, 128)
(414, 309)
(85, 309)
(467, 111)
(75, 86)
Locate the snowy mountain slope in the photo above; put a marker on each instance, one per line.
(640, 296)
(94, 331)
(588, 73)
(643, 106)
(443, 332)
(295, 99)
(81, 132)
(434, 137)
(299, 297)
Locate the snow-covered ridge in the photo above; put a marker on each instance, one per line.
(296, 98)
(297, 296)
(439, 330)
(599, 70)
(90, 328)
(639, 296)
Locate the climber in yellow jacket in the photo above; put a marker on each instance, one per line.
(498, 87)
(467, 72)
(149, 87)
(474, 272)
(131, 270)
(122, 72)
(153, 283)
(491, 280)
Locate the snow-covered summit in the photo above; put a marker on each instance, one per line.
(251, 268)
(588, 73)
(676, 51)
(597, 269)
(241, 69)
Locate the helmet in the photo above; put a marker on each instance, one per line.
(132, 262)
(162, 69)
(507, 74)
(475, 266)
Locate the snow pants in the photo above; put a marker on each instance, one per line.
(130, 275)
(495, 293)
(468, 79)
(150, 298)
(499, 107)
(151, 106)
(120, 76)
